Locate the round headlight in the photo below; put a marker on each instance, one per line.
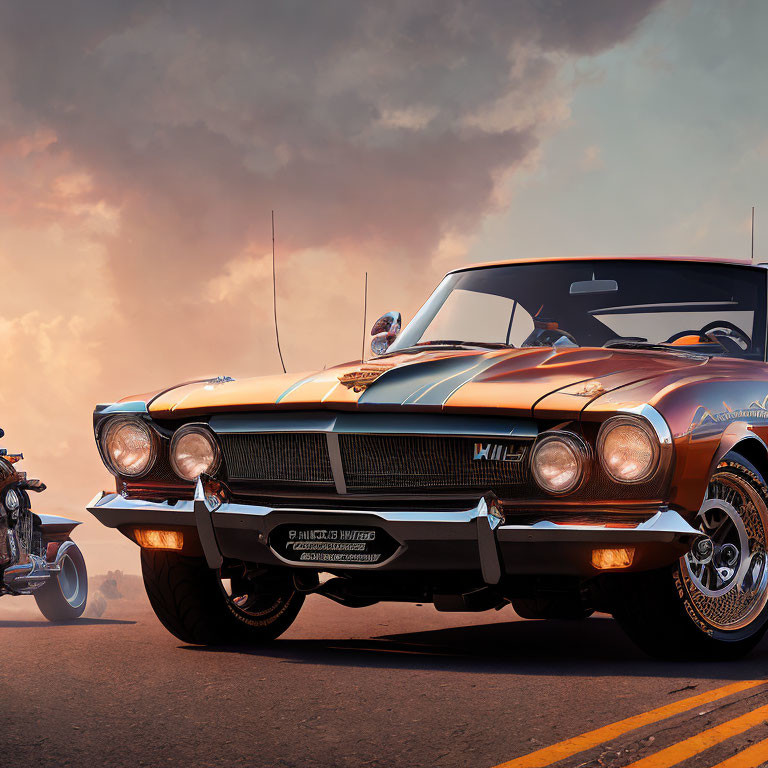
(559, 462)
(628, 449)
(194, 451)
(129, 447)
(12, 501)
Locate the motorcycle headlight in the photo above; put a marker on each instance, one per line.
(194, 451)
(12, 501)
(559, 462)
(129, 446)
(628, 449)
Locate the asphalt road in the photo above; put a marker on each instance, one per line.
(384, 686)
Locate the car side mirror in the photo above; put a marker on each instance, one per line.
(385, 331)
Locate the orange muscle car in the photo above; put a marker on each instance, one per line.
(567, 436)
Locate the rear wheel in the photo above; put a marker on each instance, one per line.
(197, 605)
(64, 595)
(713, 603)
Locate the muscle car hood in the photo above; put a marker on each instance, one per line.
(515, 381)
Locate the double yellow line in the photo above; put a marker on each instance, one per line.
(752, 757)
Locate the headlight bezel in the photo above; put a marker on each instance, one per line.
(200, 429)
(638, 422)
(578, 447)
(116, 422)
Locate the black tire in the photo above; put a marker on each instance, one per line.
(666, 612)
(63, 597)
(189, 599)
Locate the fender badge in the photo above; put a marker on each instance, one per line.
(360, 380)
(211, 383)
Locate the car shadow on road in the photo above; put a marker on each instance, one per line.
(37, 623)
(595, 647)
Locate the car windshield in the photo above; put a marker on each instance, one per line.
(682, 306)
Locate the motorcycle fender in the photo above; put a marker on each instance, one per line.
(54, 526)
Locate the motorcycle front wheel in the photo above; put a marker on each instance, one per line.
(64, 595)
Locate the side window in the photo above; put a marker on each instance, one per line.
(522, 326)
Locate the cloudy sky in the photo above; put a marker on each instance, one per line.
(143, 145)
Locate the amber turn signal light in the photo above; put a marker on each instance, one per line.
(147, 538)
(610, 559)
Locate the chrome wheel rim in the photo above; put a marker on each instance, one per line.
(69, 580)
(729, 589)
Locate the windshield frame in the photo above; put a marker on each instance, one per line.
(409, 338)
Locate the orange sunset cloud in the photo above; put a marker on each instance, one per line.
(142, 147)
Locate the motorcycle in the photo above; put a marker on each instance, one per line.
(37, 556)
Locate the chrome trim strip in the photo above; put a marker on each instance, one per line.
(114, 510)
(663, 433)
(653, 417)
(666, 525)
(271, 421)
(374, 423)
(231, 515)
(334, 455)
(237, 515)
(134, 406)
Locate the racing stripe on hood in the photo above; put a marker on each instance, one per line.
(296, 385)
(430, 382)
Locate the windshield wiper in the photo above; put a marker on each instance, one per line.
(626, 344)
(453, 344)
(459, 343)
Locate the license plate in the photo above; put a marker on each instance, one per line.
(332, 544)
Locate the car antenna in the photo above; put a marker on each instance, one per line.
(365, 316)
(274, 294)
(753, 235)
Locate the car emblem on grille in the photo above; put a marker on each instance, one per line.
(359, 380)
(496, 452)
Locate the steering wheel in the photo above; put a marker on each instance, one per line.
(546, 337)
(730, 337)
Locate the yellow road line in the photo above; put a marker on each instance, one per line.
(564, 749)
(697, 744)
(751, 757)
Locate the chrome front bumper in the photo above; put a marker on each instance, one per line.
(428, 540)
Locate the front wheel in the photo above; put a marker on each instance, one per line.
(713, 603)
(64, 595)
(207, 607)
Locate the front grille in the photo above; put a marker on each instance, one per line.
(298, 458)
(415, 462)
(374, 463)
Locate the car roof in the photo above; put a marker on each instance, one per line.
(617, 257)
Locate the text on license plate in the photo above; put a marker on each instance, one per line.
(332, 544)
